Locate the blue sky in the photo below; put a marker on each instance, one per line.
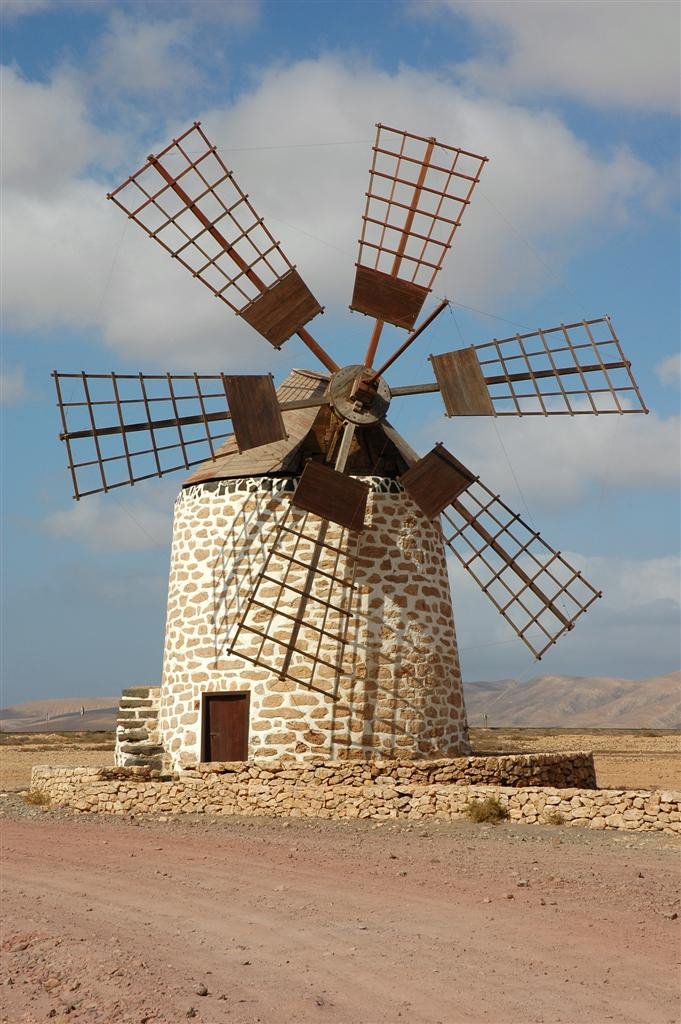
(576, 105)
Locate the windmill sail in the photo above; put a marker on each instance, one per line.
(418, 191)
(121, 428)
(301, 570)
(530, 583)
(187, 199)
(572, 370)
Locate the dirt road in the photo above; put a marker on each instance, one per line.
(347, 923)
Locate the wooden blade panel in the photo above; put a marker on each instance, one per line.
(418, 191)
(332, 495)
(281, 310)
(436, 480)
(572, 370)
(530, 583)
(309, 648)
(187, 199)
(256, 415)
(462, 385)
(387, 298)
(122, 428)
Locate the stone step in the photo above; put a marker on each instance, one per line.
(140, 748)
(136, 691)
(127, 735)
(136, 702)
(136, 715)
(155, 763)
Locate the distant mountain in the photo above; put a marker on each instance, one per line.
(61, 714)
(552, 701)
(577, 702)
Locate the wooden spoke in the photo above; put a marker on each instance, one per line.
(409, 341)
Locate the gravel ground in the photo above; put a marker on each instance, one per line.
(273, 921)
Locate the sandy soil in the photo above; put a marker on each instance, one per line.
(20, 751)
(16, 765)
(636, 759)
(296, 922)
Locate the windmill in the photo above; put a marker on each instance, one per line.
(309, 609)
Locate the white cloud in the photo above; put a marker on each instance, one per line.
(48, 139)
(633, 583)
(609, 54)
(13, 386)
(135, 56)
(118, 522)
(540, 175)
(557, 459)
(632, 631)
(669, 370)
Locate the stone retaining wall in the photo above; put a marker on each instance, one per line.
(310, 791)
(555, 769)
(531, 786)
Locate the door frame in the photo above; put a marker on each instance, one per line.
(206, 697)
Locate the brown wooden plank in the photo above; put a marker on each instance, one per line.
(436, 480)
(254, 406)
(225, 726)
(280, 456)
(332, 495)
(387, 298)
(283, 309)
(463, 387)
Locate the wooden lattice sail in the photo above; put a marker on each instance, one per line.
(574, 369)
(418, 192)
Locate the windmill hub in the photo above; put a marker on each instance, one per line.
(356, 399)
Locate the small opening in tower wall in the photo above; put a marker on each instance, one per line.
(224, 726)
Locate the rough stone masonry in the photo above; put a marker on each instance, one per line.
(392, 687)
(379, 790)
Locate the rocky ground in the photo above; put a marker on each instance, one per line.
(269, 921)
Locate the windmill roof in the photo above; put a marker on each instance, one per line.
(280, 456)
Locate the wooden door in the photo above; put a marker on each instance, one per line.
(225, 727)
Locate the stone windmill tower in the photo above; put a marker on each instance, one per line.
(309, 609)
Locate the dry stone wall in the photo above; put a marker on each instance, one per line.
(392, 687)
(376, 790)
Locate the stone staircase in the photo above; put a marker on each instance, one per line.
(138, 741)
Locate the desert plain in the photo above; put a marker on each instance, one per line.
(271, 921)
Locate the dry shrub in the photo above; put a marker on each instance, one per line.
(555, 817)
(37, 798)
(489, 810)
